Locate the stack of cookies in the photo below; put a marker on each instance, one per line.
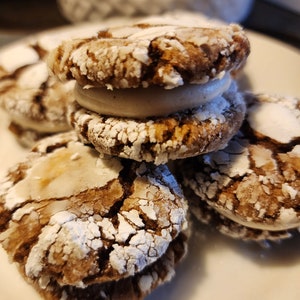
(95, 212)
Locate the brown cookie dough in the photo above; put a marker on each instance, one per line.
(188, 133)
(35, 102)
(70, 217)
(255, 180)
(145, 54)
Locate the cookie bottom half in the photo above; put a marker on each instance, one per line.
(185, 134)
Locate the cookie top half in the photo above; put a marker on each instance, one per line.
(72, 217)
(255, 180)
(152, 52)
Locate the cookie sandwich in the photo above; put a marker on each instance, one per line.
(251, 189)
(73, 220)
(34, 101)
(155, 90)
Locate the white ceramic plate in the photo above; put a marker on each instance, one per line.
(216, 267)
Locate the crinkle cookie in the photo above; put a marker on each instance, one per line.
(163, 54)
(160, 139)
(35, 102)
(255, 180)
(70, 217)
(133, 287)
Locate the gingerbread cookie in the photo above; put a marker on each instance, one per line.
(70, 217)
(255, 180)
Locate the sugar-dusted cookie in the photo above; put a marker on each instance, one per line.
(35, 102)
(158, 89)
(70, 217)
(162, 53)
(255, 180)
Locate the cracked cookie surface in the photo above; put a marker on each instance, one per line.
(70, 217)
(154, 53)
(135, 287)
(255, 180)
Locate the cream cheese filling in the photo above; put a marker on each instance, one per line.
(151, 101)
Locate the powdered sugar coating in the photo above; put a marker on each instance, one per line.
(133, 287)
(277, 109)
(187, 133)
(143, 54)
(255, 181)
(74, 238)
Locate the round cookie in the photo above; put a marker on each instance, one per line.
(255, 180)
(160, 53)
(70, 217)
(160, 139)
(35, 102)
